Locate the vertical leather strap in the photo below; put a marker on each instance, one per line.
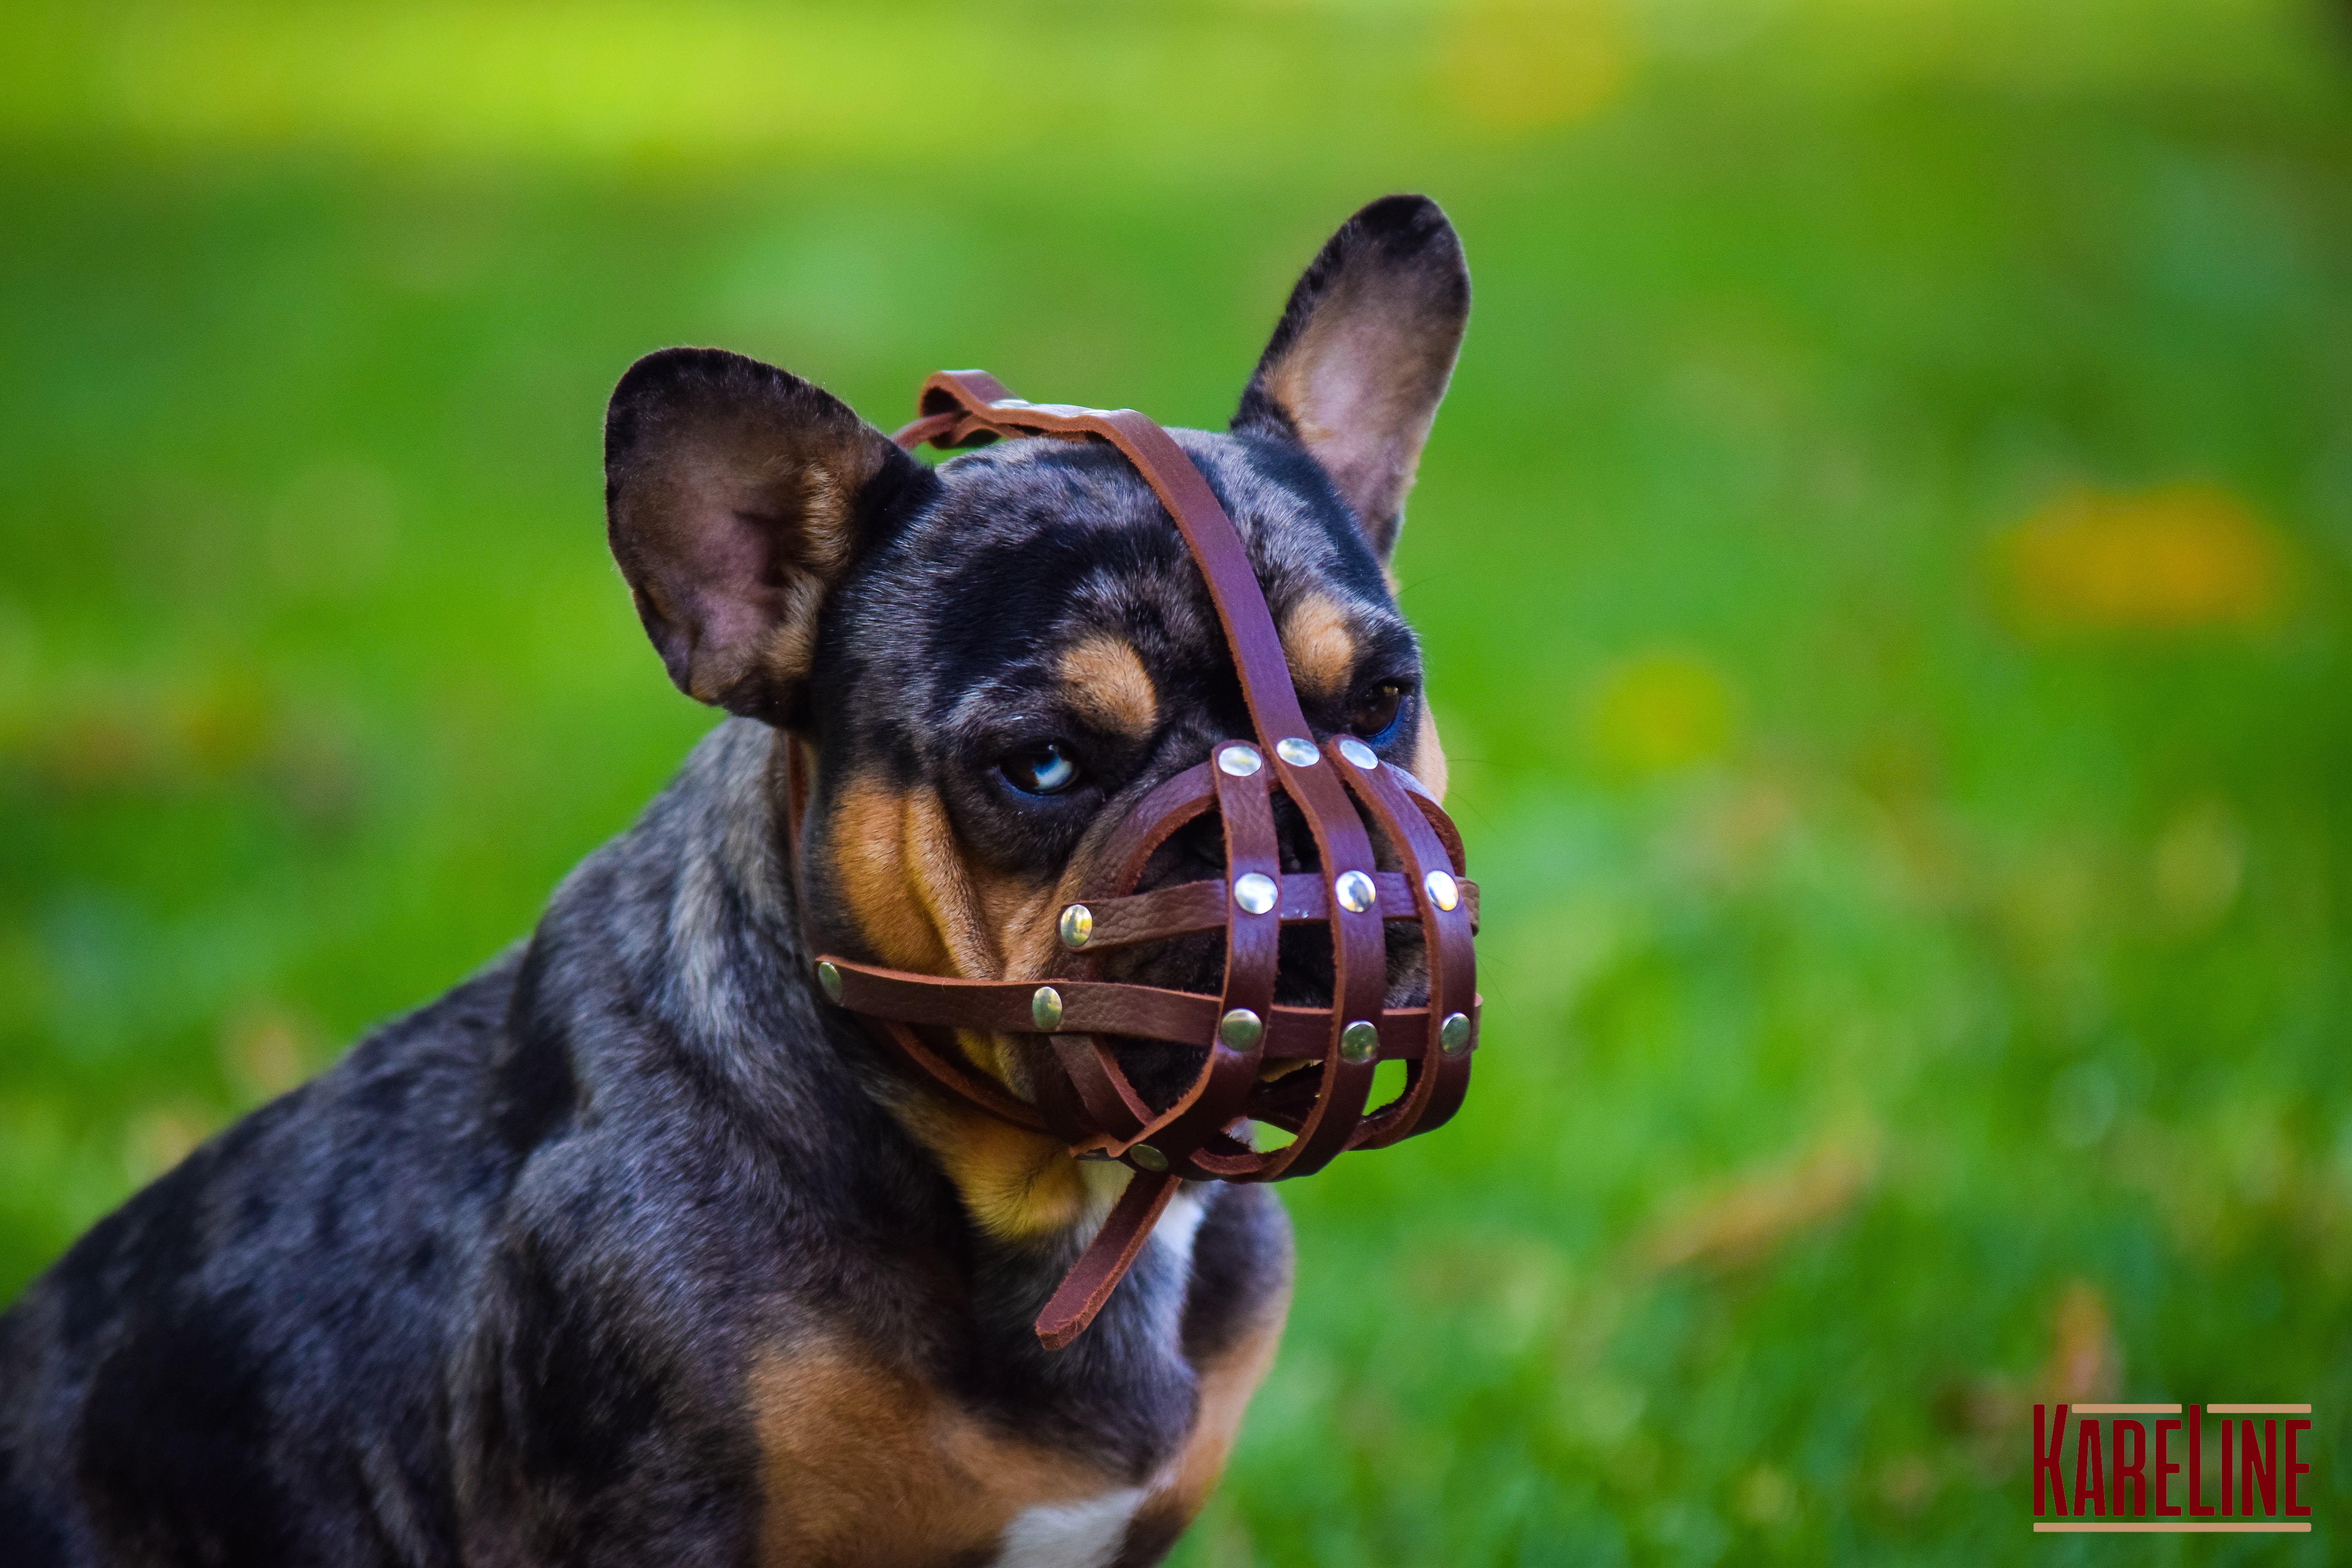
(1107, 1259)
(1253, 949)
(1436, 1079)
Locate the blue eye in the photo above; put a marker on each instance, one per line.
(1376, 713)
(1048, 769)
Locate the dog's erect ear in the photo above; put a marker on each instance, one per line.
(735, 495)
(1361, 356)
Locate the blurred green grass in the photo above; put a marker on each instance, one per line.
(1919, 852)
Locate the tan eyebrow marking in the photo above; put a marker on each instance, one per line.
(1109, 684)
(1320, 647)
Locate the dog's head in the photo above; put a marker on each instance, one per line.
(989, 662)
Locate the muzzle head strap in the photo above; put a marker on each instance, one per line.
(1331, 1052)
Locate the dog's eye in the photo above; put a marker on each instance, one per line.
(1376, 712)
(1048, 769)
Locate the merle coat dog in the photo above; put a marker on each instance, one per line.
(630, 1249)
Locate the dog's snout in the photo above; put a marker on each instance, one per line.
(1197, 850)
(1196, 853)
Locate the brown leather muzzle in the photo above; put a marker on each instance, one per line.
(1343, 791)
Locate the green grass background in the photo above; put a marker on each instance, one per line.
(1900, 1007)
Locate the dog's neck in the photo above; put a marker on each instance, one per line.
(689, 923)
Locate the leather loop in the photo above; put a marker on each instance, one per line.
(1154, 819)
(948, 1074)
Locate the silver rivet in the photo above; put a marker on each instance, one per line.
(1147, 1158)
(1444, 890)
(1078, 925)
(1360, 1041)
(1356, 892)
(1045, 1008)
(1255, 892)
(1239, 760)
(1240, 1029)
(1357, 753)
(1297, 752)
(828, 979)
(1454, 1035)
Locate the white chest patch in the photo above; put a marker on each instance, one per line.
(1178, 1222)
(1075, 1535)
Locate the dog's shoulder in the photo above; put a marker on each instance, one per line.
(292, 1272)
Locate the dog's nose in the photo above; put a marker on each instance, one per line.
(1199, 847)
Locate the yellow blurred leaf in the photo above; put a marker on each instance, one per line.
(266, 1050)
(2179, 559)
(1907, 1483)
(1659, 711)
(1749, 1219)
(1766, 1497)
(1522, 65)
(2085, 1360)
(161, 1136)
(2198, 866)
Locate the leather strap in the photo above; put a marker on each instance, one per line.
(1303, 898)
(1107, 1259)
(1095, 1007)
(1434, 1080)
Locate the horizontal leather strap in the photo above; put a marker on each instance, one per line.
(1190, 907)
(1107, 1007)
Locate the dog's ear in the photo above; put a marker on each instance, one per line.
(735, 496)
(1363, 354)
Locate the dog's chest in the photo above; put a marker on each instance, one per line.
(1070, 1535)
(869, 1465)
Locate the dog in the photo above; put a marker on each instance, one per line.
(631, 1250)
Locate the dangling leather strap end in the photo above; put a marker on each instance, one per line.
(930, 427)
(1107, 1259)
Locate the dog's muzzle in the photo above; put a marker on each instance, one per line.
(1344, 793)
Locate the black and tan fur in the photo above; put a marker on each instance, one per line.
(630, 1250)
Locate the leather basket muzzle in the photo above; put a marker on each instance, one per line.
(1342, 791)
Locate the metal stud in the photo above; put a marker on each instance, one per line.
(1359, 754)
(828, 980)
(1454, 1035)
(1355, 892)
(1045, 1008)
(1240, 1029)
(1444, 890)
(1146, 1158)
(1360, 1041)
(1255, 892)
(1297, 751)
(1078, 925)
(1239, 760)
